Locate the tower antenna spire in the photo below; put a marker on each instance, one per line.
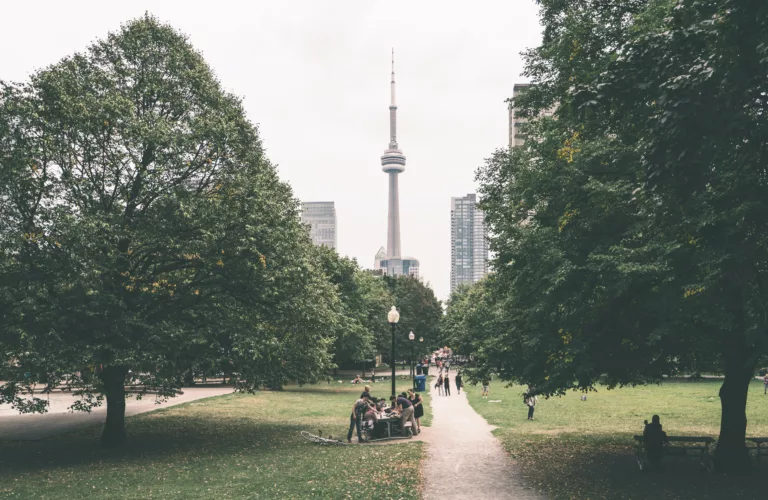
(392, 82)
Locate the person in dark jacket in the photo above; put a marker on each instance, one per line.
(447, 385)
(459, 382)
(654, 438)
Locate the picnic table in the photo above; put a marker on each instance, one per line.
(698, 445)
(389, 420)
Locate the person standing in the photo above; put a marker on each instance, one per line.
(439, 384)
(447, 382)
(356, 419)
(486, 388)
(531, 402)
(418, 407)
(765, 383)
(406, 411)
(459, 382)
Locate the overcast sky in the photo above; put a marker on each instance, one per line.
(315, 77)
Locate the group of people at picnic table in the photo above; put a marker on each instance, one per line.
(408, 407)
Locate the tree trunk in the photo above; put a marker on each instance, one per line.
(113, 434)
(731, 455)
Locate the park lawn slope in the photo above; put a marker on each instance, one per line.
(234, 446)
(584, 449)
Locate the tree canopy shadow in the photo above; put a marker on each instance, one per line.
(212, 436)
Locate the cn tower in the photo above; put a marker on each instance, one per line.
(393, 163)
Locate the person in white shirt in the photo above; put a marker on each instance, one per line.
(531, 402)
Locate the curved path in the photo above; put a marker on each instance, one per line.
(464, 460)
(59, 419)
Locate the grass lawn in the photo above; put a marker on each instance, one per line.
(584, 449)
(234, 446)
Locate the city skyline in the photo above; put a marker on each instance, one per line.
(313, 81)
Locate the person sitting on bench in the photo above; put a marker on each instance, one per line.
(654, 438)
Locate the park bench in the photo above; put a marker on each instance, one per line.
(680, 446)
(759, 449)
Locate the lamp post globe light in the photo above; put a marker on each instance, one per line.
(393, 317)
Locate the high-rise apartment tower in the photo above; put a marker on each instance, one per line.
(321, 217)
(516, 138)
(469, 243)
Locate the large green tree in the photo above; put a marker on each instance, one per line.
(363, 304)
(145, 234)
(420, 313)
(629, 232)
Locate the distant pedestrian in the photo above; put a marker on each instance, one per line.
(486, 388)
(531, 402)
(447, 382)
(459, 382)
(765, 383)
(439, 385)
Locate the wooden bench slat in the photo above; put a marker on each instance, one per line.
(683, 439)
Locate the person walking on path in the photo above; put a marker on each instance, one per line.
(486, 388)
(418, 407)
(447, 382)
(459, 382)
(531, 402)
(439, 384)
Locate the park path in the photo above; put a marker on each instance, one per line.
(464, 460)
(59, 420)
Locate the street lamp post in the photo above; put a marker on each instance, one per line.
(411, 336)
(426, 366)
(393, 317)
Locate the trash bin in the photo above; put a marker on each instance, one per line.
(421, 383)
(418, 369)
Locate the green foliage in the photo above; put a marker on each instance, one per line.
(420, 313)
(144, 228)
(629, 231)
(363, 304)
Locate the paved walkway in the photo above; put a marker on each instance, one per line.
(58, 420)
(464, 460)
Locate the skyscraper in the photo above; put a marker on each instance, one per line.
(393, 163)
(516, 138)
(321, 217)
(469, 243)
